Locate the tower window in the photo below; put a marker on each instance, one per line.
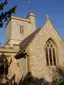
(21, 29)
(50, 53)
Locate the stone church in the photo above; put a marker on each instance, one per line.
(37, 52)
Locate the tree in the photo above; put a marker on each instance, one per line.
(5, 15)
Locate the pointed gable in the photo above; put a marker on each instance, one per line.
(41, 35)
(35, 46)
(37, 52)
(47, 30)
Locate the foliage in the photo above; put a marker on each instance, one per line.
(5, 15)
(62, 83)
(31, 80)
(10, 81)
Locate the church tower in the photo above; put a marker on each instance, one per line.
(17, 29)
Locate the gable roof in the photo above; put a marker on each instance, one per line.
(30, 38)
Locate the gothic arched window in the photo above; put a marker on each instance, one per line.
(3, 66)
(51, 56)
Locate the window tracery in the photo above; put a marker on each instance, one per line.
(51, 53)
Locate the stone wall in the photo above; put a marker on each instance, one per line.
(37, 55)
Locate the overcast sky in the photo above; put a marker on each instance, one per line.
(54, 8)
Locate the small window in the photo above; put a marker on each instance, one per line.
(21, 29)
